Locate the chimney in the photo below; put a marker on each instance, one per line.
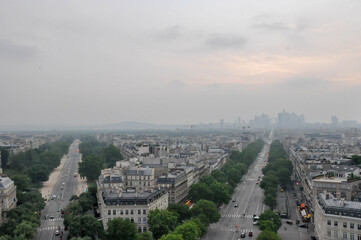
(342, 202)
(327, 196)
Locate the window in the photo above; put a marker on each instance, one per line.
(328, 232)
(132, 211)
(335, 233)
(148, 184)
(352, 237)
(139, 219)
(139, 211)
(144, 211)
(345, 224)
(139, 229)
(328, 222)
(121, 212)
(335, 223)
(359, 237)
(132, 220)
(144, 229)
(359, 227)
(109, 212)
(351, 225)
(114, 212)
(127, 212)
(145, 219)
(344, 235)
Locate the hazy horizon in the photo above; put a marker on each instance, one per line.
(172, 62)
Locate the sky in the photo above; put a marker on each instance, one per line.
(185, 62)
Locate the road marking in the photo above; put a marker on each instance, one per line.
(236, 216)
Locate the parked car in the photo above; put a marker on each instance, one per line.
(236, 205)
(303, 226)
(289, 222)
(243, 235)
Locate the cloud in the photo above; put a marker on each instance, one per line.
(10, 49)
(170, 33)
(307, 83)
(223, 41)
(177, 83)
(276, 26)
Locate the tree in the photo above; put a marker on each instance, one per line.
(86, 201)
(84, 225)
(206, 211)
(182, 210)
(81, 238)
(27, 229)
(21, 181)
(270, 201)
(143, 236)
(269, 215)
(4, 157)
(38, 173)
(189, 230)
(219, 193)
(122, 229)
(233, 177)
(356, 160)
(91, 167)
(284, 175)
(219, 176)
(172, 236)
(112, 155)
(268, 235)
(199, 191)
(267, 225)
(162, 222)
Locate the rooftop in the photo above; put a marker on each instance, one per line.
(333, 206)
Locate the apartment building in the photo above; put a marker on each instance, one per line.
(337, 219)
(131, 205)
(176, 183)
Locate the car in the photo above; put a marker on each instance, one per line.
(51, 216)
(257, 183)
(61, 188)
(303, 226)
(236, 205)
(233, 200)
(250, 234)
(57, 232)
(289, 222)
(243, 235)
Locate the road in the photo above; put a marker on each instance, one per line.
(65, 187)
(249, 197)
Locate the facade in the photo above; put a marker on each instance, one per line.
(339, 187)
(132, 205)
(7, 196)
(139, 178)
(337, 219)
(176, 183)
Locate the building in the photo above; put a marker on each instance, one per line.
(139, 178)
(339, 187)
(7, 196)
(176, 183)
(337, 219)
(130, 204)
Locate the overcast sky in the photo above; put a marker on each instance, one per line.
(171, 61)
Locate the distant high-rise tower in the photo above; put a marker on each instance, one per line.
(239, 122)
(334, 121)
(221, 123)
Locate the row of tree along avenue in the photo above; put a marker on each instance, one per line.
(28, 169)
(219, 186)
(96, 156)
(80, 215)
(277, 172)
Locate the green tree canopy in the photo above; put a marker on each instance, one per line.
(162, 222)
(268, 235)
(145, 236)
(172, 236)
(269, 215)
(207, 210)
(181, 209)
(189, 230)
(122, 229)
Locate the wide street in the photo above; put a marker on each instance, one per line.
(65, 187)
(249, 197)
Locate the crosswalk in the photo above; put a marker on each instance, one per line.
(236, 216)
(49, 228)
(53, 220)
(211, 228)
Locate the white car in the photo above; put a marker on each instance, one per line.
(57, 232)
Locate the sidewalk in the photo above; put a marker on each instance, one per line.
(49, 185)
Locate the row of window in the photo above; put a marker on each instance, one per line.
(335, 223)
(127, 212)
(344, 235)
(140, 183)
(137, 177)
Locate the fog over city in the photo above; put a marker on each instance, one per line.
(178, 62)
